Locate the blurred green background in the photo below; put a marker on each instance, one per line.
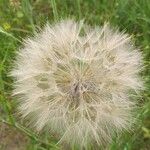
(21, 18)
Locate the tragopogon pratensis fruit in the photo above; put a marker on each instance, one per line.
(76, 79)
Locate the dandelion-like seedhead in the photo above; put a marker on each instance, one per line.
(75, 80)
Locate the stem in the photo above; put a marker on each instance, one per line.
(55, 12)
(27, 132)
(7, 107)
(9, 35)
(79, 9)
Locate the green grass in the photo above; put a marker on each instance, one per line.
(18, 22)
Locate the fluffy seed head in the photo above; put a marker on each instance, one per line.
(75, 79)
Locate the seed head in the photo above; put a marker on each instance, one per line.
(76, 80)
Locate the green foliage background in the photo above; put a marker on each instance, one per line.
(21, 18)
